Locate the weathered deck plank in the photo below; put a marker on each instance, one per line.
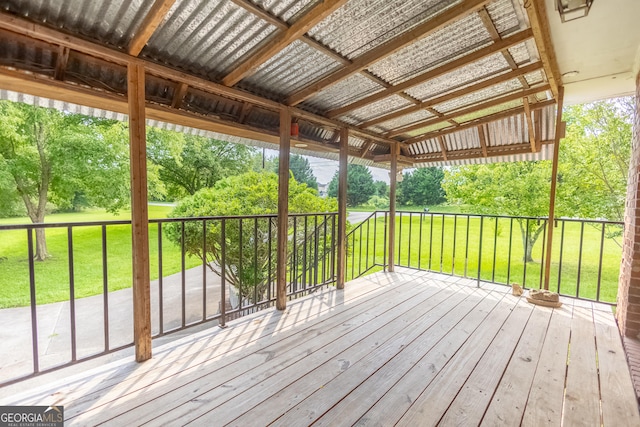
(409, 348)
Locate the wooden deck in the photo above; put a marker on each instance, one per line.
(409, 348)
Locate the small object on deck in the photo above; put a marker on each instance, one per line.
(544, 297)
(516, 289)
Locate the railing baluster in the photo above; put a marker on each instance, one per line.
(375, 235)
(544, 245)
(316, 241)
(600, 262)
(561, 250)
(32, 299)
(495, 247)
(453, 252)
(204, 269)
(480, 250)
(367, 252)
(399, 238)
(255, 261)
(240, 266)
(223, 275)
(509, 258)
(420, 240)
(183, 276)
(360, 250)
(524, 258)
(269, 269)
(430, 241)
(579, 259)
(409, 244)
(72, 294)
(293, 269)
(105, 287)
(384, 246)
(442, 246)
(466, 248)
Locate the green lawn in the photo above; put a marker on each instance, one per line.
(434, 208)
(52, 276)
(421, 245)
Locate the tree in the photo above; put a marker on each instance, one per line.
(516, 189)
(360, 186)
(382, 189)
(423, 186)
(594, 159)
(246, 265)
(51, 156)
(301, 170)
(188, 163)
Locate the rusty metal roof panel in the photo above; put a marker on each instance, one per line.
(361, 25)
(479, 96)
(291, 69)
(458, 39)
(287, 10)
(207, 37)
(376, 109)
(108, 21)
(464, 76)
(342, 93)
(406, 120)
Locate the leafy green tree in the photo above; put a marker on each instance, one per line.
(360, 186)
(516, 189)
(594, 159)
(382, 189)
(188, 163)
(51, 156)
(300, 168)
(246, 265)
(422, 186)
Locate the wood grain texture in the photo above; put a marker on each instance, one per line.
(342, 207)
(392, 207)
(283, 209)
(150, 23)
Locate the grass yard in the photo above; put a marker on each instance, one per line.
(52, 276)
(439, 243)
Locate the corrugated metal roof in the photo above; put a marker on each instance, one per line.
(287, 10)
(546, 153)
(504, 17)
(207, 37)
(370, 111)
(361, 25)
(345, 92)
(479, 96)
(406, 120)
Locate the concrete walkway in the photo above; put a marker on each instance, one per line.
(54, 324)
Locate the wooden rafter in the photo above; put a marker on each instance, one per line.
(473, 123)
(365, 149)
(443, 147)
(455, 94)
(282, 39)
(439, 71)
(402, 160)
(244, 112)
(40, 32)
(529, 120)
(149, 24)
(178, 96)
(474, 108)
(537, 13)
(483, 140)
(495, 36)
(473, 153)
(61, 63)
(376, 54)
(537, 124)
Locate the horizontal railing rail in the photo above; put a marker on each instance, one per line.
(585, 257)
(204, 269)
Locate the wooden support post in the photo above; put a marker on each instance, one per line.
(392, 205)
(554, 176)
(283, 209)
(342, 207)
(527, 116)
(139, 213)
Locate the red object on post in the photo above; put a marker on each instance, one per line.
(294, 129)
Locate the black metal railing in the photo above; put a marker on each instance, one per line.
(585, 257)
(72, 308)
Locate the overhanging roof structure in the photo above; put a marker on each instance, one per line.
(449, 81)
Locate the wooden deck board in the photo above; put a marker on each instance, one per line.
(408, 348)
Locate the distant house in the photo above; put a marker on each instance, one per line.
(322, 189)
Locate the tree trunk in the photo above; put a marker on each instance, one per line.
(41, 245)
(530, 233)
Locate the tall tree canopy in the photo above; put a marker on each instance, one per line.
(422, 186)
(187, 163)
(300, 168)
(51, 156)
(360, 185)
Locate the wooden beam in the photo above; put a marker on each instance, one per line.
(282, 39)
(474, 108)
(392, 207)
(455, 94)
(552, 191)
(61, 63)
(283, 209)
(365, 149)
(404, 161)
(342, 207)
(537, 124)
(443, 147)
(473, 123)
(483, 140)
(265, 15)
(139, 213)
(178, 96)
(474, 153)
(376, 54)
(149, 24)
(437, 72)
(244, 112)
(537, 12)
(529, 120)
(40, 32)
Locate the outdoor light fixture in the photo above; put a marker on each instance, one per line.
(300, 145)
(570, 10)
